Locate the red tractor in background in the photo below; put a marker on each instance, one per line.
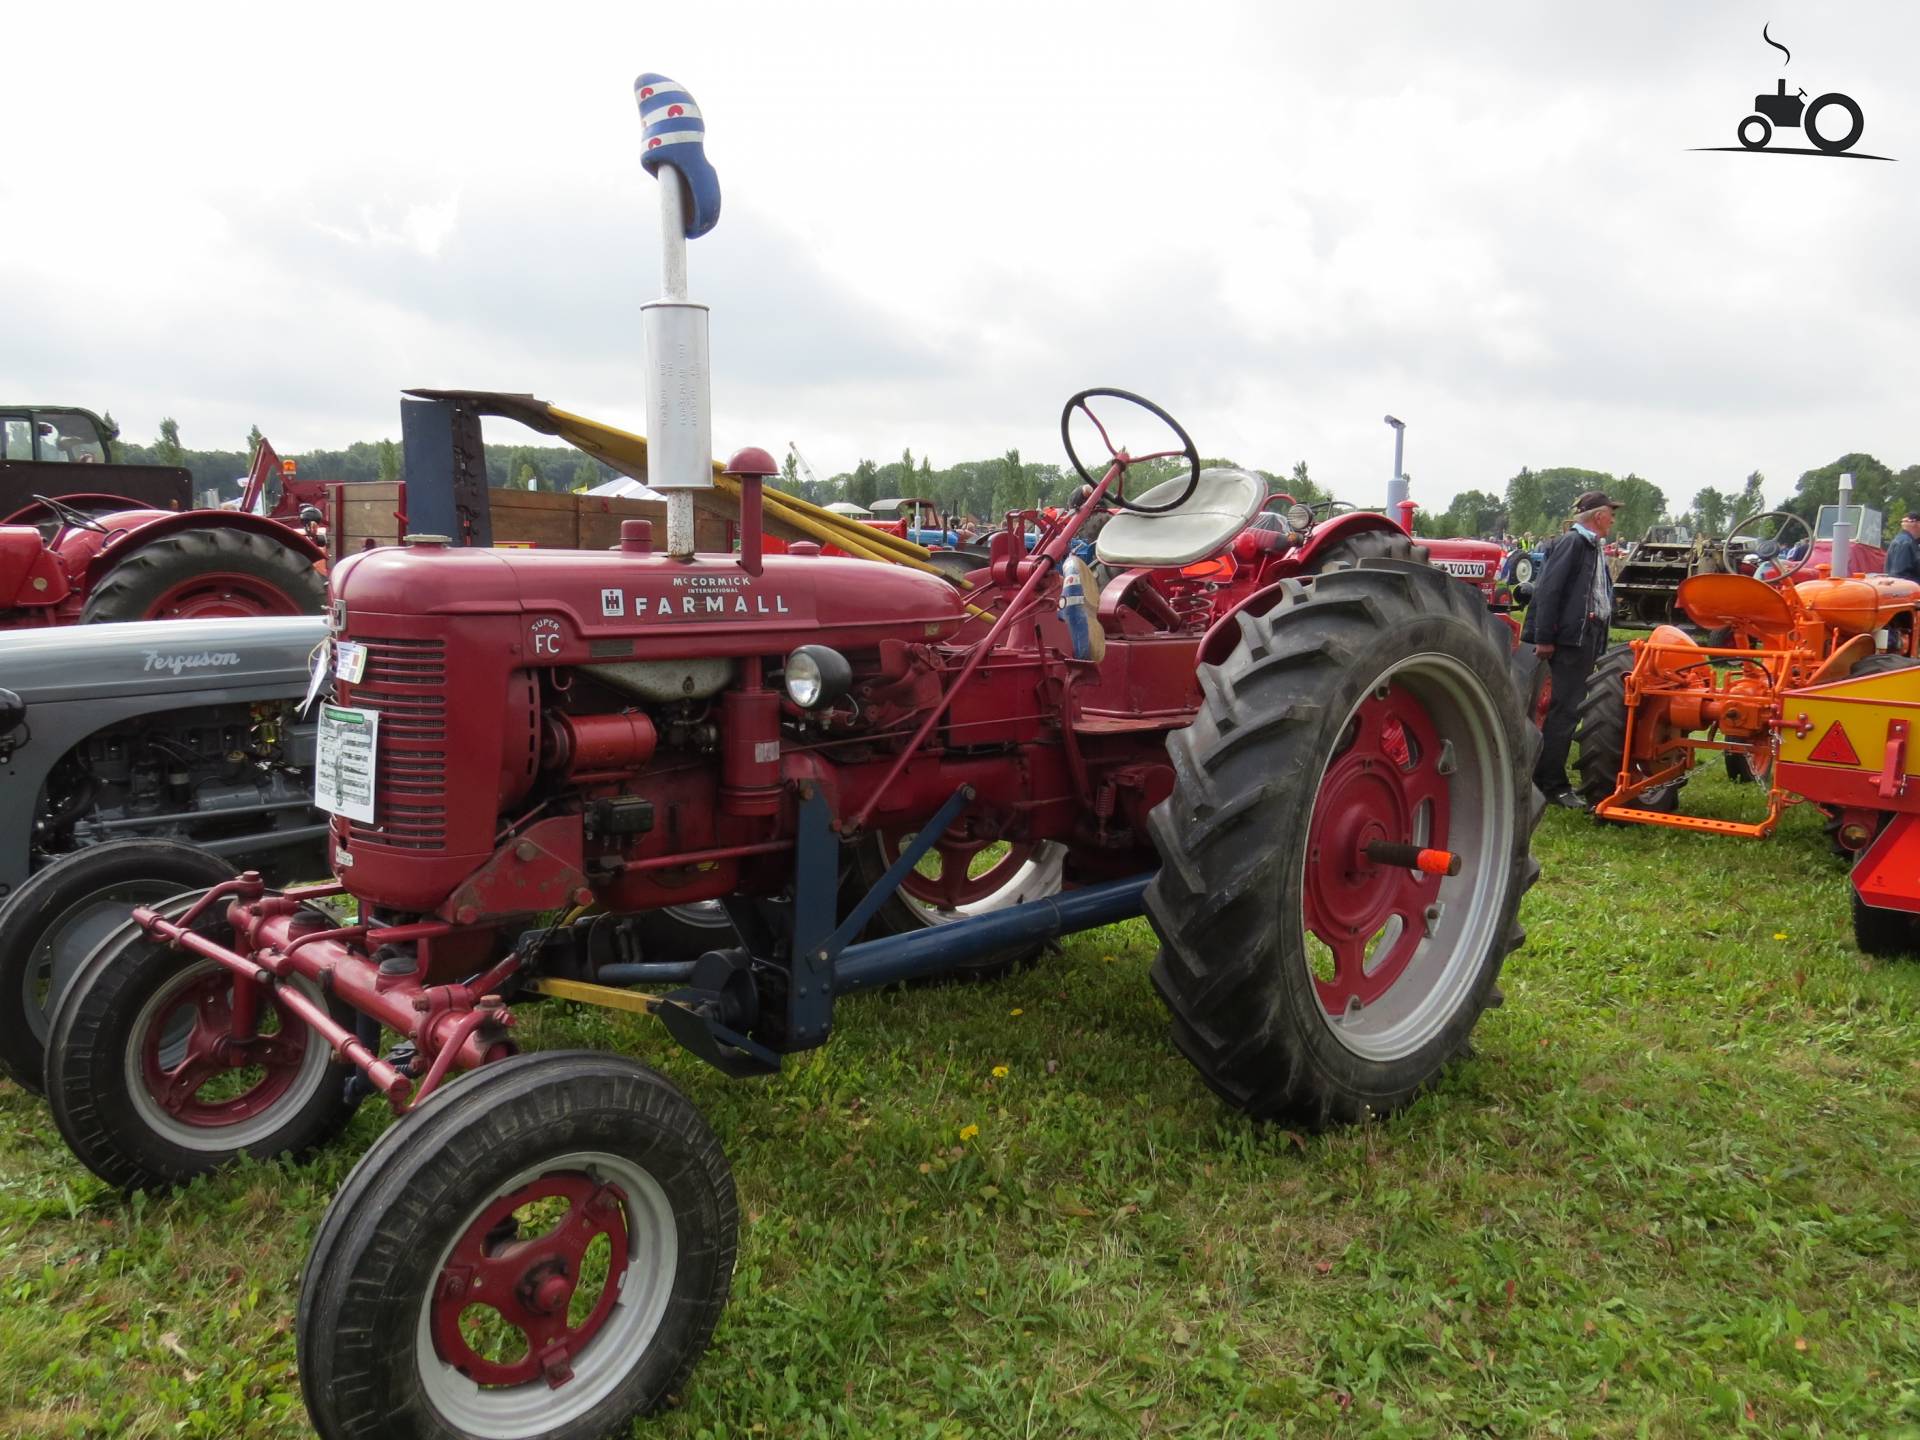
(84, 540)
(1320, 798)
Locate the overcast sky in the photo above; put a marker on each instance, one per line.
(1280, 221)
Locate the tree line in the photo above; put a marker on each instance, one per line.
(1538, 503)
(1533, 502)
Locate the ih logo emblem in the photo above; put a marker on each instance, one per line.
(613, 603)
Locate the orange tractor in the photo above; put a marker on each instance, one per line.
(1654, 706)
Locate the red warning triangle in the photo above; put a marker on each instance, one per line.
(1834, 748)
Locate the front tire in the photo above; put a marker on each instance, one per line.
(54, 921)
(147, 1085)
(1306, 983)
(513, 1177)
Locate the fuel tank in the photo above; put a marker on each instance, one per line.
(1859, 605)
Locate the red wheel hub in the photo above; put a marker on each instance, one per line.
(1385, 784)
(219, 595)
(212, 1051)
(529, 1283)
(953, 884)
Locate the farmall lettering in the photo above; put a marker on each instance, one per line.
(544, 636)
(710, 597)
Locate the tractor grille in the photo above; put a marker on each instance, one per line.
(405, 680)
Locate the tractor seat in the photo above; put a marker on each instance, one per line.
(1716, 601)
(1222, 503)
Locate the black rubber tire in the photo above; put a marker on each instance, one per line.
(1602, 735)
(1739, 768)
(1810, 125)
(131, 588)
(134, 871)
(868, 861)
(372, 1261)
(87, 1084)
(1889, 934)
(1523, 570)
(1234, 967)
(1368, 545)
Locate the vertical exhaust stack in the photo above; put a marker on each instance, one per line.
(679, 406)
(1397, 485)
(1842, 564)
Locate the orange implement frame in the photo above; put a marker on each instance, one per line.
(1673, 691)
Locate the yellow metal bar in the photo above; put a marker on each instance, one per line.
(607, 996)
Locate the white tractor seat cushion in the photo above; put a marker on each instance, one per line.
(1222, 503)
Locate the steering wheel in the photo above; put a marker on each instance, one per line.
(1079, 402)
(78, 519)
(1769, 550)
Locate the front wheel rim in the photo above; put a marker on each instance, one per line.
(177, 1053)
(1422, 758)
(569, 1367)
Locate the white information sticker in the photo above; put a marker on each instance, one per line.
(343, 764)
(349, 660)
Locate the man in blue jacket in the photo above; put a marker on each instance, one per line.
(1903, 555)
(1567, 623)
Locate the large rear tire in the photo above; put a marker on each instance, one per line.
(56, 920)
(458, 1286)
(1602, 736)
(1307, 983)
(207, 574)
(147, 1084)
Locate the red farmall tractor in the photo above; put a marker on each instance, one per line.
(1321, 801)
(1653, 707)
(86, 555)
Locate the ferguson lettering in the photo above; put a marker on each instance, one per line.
(177, 662)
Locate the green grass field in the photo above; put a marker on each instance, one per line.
(1671, 1194)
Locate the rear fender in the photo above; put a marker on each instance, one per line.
(1220, 639)
(1339, 528)
(158, 524)
(30, 574)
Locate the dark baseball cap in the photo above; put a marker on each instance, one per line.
(1593, 500)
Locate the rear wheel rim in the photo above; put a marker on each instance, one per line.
(196, 1087)
(580, 1344)
(1423, 759)
(221, 595)
(961, 877)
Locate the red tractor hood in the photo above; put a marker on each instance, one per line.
(596, 605)
(1470, 560)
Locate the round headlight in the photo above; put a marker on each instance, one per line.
(817, 675)
(803, 680)
(1299, 516)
